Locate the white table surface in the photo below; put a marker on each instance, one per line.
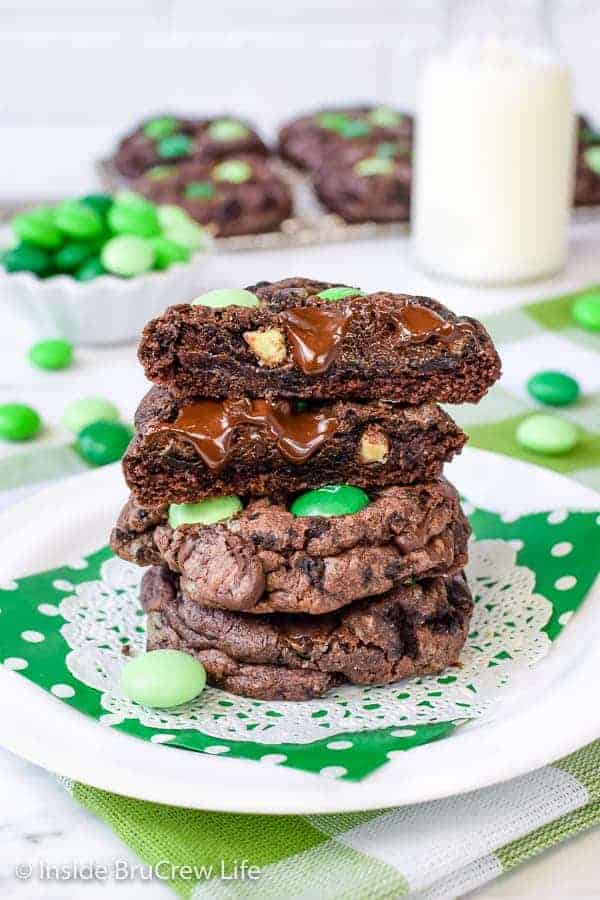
(38, 820)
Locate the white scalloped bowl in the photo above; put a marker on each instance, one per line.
(107, 310)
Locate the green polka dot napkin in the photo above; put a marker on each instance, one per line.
(439, 849)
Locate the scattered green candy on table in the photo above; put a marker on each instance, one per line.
(586, 310)
(553, 388)
(174, 146)
(90, 269)
(86, 410)
(51, 354)
(355, 128)
(208, 512)
(135, 218)
(226, 297)
(78, 220)
(236, 171)
(199, 190)
(163, 678)
(374, 165)
(167, 253)
(127, 255)
(38, 227)
(330, 500)
(161, 127)
(227, 130)
(27, 259)
(384, 117)
(72, 256)
(18, 422)
(592, 158)
(101, 443)
(338, 293)
(100, 203)
(546, 434)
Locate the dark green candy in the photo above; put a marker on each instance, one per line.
(199, 190)
(101, 443)
(167, 252)
(100, 203)
(174, 146)
(90, 269)
(25, 258)
(71, 256)
(355, 128)
(553, 388)
(330, 500)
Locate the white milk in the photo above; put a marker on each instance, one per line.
(493, 163)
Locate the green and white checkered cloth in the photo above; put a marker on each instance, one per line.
(440, 849)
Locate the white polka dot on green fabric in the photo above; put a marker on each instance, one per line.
(64, 691)
(273, 758)
(509, 517)
(403, 732)
(392, 754)
(161, 738)
(109, 719)
(78, 563)
(33, 637)
(565, 583)
(216, 749)
(339, 745)
(48, 609)
(563, 548)
(565, 617)
(15, 663)
(61, 585)
(8, 585)
(333, 771)
(558, 516)
(516, 544)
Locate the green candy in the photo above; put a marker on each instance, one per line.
(72, 255)
(235, 171)
(338, 293)
(78, 220)
(90, 269)
(86, 410)
(171, 216)
(127, 255)
(227, 130)
(208, 512)
(390, 149)
(546, 434)
(553, 388)
(27, 259)
(159, 173)
(188, 234)
(134, 217)
(51, 354)
(384, 117)
(374, 165)
(38, 227)
(332, 121)
(355, 128)
(18, 422)
(163, 678)
(167, 252)
(586, 310)
(592, 159)
(226, 297)
(331, 500)
(174, 146)
(100, 203)
(199, 190)
(161, 127)
(101, 443)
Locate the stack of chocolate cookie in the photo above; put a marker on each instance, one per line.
(287, 489)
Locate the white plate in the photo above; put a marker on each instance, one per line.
(552, 711)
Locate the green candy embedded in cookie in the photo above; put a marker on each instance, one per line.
(174, 146)
(385, 117)
(199, 190)
(161, 127)
(227, 130)
(330, 500)
(374, 165)
(235, 171)
(159, 173)
(355, 128)
(208, 512)
(338, 293)
(390, 149)
(227, 297)
(592, 159)
(332, 121)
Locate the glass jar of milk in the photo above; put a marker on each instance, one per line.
(494, 151)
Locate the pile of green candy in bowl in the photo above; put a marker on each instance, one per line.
(94, 269)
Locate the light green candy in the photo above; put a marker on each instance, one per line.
(208, 512)
(374, 165)
(163, 678)
(227, 297)
(339, 293)
(170, 215)
(80, 413)
(384, 117)
(134, 217)
(235, 171)
(586, 310)
(128, 255)
(592, 158)
(546, 434)
(188, 234)
(227, 130)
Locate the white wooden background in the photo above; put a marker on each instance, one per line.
(77, 72)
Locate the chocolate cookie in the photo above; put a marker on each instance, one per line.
(311, 339)
(417, 629)
(587, 173)
(309, 141)
(167, 139)
(241, 195)
(268, 560)
(186, 452)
